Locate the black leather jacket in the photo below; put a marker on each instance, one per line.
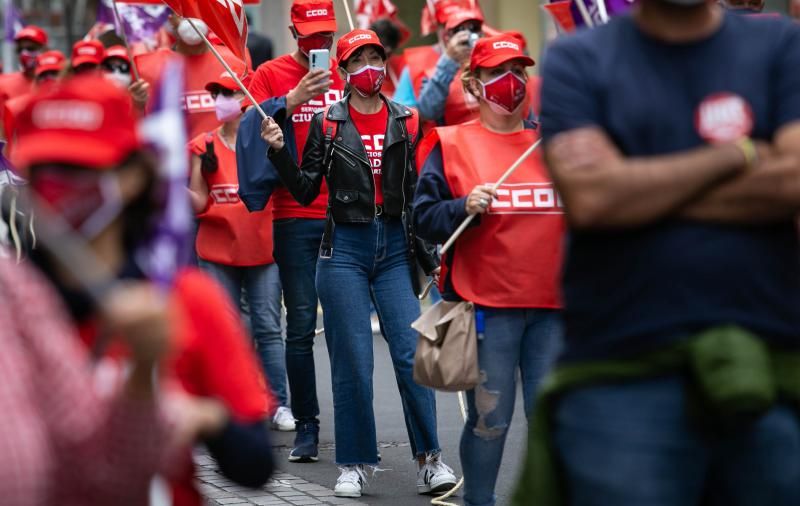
(348, 173)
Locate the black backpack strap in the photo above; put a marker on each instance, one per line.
(330, 129)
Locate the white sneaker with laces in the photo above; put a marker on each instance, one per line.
(435, 477)
(283, 420)
(351, 482)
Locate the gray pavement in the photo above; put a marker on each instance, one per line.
(302, 484)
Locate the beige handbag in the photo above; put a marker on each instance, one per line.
(447, 349)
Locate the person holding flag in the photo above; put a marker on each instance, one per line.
(87, 164)
(676, 385)
(235, 246)
(293, 94)
(521, 230)
(363, 146)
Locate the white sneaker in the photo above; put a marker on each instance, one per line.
(283, 420)
(351, 482)
(435, 477)
(375, 323)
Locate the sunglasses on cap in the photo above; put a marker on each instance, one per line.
(117, 66)
(225, 92)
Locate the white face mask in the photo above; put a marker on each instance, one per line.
(121, 78)
(189, 35)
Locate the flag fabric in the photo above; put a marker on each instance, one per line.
(226, 18)
(164, 130)
(161, 2)
(561, 13)
(141, 23)
(13, 21)
(370, 11)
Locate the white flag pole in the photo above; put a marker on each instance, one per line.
(464, 224)
(349, 15)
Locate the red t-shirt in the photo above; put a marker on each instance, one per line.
(199, 71)
(13, 86)
(276, 78)
(211, 357)
(228, 233)
(372, 128)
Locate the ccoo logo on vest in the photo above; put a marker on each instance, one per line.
(197, 102)
(527, 198)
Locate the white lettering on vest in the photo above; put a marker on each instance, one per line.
(527, 198)
(198, 101)
(225, 193)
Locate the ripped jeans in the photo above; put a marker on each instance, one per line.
(525, 340)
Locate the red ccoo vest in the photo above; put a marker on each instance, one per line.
(513, 258)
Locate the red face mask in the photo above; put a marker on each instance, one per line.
(316, 41)
(505, 93)
(27, 59)
(88, 202)
(367, 81)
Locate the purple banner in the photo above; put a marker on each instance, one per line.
(12, 20)
(140, 22)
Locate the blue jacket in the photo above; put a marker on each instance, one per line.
(257, 176)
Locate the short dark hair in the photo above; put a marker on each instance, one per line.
(387, 32)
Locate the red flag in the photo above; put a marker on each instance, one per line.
(158, 2)
(226, 18)
(562, 16)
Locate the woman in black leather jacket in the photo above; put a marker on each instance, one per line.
(364, 147)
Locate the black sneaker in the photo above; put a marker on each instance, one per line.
(306, 443)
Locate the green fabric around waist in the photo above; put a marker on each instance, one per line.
(733, 371)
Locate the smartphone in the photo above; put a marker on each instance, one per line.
(320, 59)
(473, 39)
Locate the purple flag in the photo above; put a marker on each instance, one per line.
(12, 20)
(165, 131)
(8, 176)
(140, 22)
(596, 9)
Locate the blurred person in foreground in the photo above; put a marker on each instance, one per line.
(521, 231)
(79, 147)
(292, 93)
(678, 380)
(363, 147)
(235, 246)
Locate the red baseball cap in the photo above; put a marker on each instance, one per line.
(351, 41)
(462, 16)
(86, 121)
(225, 81)
(32, 32)
(493, 51)
(50, 61)
(117, 52)
(87, 51)
(313, 16)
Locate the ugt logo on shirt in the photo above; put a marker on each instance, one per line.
(723, 117)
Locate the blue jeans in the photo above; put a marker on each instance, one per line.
(633, 444)
(525, 340)
(262, 288)
(370, 264)
(296, 242)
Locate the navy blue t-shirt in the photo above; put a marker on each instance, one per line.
(631, 291)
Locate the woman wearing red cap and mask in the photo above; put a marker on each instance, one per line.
(79, 144)
(364, 148)
(508, 263)
(234, 245)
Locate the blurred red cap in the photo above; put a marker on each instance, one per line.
(87, 51)
(87, 121)
(120, 52)
(32, 32)
(462, 16)
(50, 61)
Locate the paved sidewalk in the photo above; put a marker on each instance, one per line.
(283, 489)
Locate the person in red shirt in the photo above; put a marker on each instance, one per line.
(30, 42)
(79, 146)
(48, 67)
(234, 245)
(368, 254)
(201, 66)
(297, 229)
